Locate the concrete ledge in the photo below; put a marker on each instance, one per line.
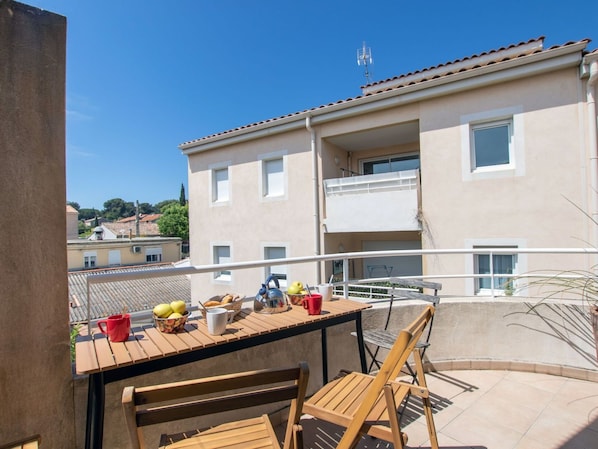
(506, 365)
(512, 333)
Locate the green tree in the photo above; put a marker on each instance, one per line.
(147, 208)
(182, 199)
(117, 208)
(174, 222)
(162, 205)
(86, 214)
(74, 205)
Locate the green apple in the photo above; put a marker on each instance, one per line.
(178, 306)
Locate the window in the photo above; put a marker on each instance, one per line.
(280, 271)
(221, 255)
(90, 259)
(273, 178)
(391, 164)
(498, 265)
(220, 185)
(492, 144)
(153, 255)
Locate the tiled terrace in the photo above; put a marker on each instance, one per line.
(492, 409)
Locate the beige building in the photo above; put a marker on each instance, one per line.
(91, 254)
(493, 150)
(72, 223)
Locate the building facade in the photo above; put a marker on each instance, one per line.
(91, 254)
(496, 150)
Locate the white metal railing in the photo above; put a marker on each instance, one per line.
(403, 180)
(345, 257)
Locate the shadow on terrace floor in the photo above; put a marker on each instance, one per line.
(491, 410)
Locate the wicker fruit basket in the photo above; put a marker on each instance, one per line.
(171, 325)
(228, 301)
(296, 299)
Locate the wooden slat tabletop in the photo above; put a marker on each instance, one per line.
(95, 353)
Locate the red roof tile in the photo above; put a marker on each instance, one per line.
(478, 60)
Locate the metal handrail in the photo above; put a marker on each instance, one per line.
(101, 278)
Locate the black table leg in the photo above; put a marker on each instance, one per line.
(95, 412)
(324, 357)
(360, 343)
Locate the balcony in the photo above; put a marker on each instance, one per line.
(502, 375)
(390, 198)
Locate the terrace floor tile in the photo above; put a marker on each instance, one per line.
(491, 409)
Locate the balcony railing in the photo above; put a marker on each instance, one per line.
(346, 286)
(390, 197)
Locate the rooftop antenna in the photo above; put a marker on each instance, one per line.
(364, 57)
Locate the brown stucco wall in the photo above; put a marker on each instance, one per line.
(35, 371)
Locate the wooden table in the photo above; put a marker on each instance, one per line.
(149, 350)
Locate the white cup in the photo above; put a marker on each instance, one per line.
(217, 319)
(326, 291)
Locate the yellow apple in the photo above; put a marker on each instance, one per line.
(174, 315)
(178, 306)
(162, 310)
(295, 288)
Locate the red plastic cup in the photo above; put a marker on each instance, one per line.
(117, 327)
(313, 304)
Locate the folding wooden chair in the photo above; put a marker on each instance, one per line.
(366, 404)
(384, 338)
(175, 401)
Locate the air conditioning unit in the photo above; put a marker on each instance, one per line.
(137, 249)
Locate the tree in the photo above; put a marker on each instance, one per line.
(147, 208)
(86, 214)
(117, 208)
(74, 205)
(174, 222)
(182, 199)
(162, 205)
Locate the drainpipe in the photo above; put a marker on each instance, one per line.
(591, 64)
(316, 196)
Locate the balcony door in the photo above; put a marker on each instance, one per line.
(389, 164)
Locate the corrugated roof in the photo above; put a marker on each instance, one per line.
(137, 295)
(485, 59)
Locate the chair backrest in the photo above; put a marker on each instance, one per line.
(390, 369)
(434, 299)
(146, 406)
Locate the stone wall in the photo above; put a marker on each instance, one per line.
(36, 387)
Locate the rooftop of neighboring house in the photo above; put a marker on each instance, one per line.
(136, 295)
(129, 228)
(467, 65)
(143, 218)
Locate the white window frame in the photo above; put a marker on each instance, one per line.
(513, 117)
(282, 269)
(263, 160)
(225, 276)
(471, 264)
(90, 260)
(213, 194)
(154, 252)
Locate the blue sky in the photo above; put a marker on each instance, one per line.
(146, 76)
